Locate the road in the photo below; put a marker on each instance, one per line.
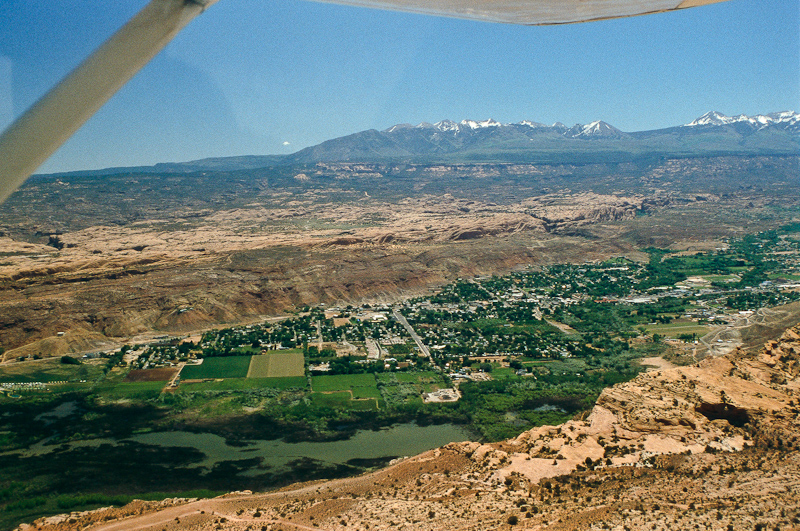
(171, 382)
(414, 336)
(730, 334)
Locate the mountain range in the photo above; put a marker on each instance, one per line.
(473, 141)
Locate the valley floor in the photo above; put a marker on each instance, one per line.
(468, 486)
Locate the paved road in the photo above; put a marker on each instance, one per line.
(414, 336)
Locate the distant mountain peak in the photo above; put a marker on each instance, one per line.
(596, 129)
(710, 118)
(789, 119)
(446, 125)
(533, 125)
(488, 138)
(472, 124)
(398, 127)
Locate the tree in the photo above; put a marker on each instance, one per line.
(185, 348)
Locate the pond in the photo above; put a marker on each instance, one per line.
(277, 456)
(397, 441)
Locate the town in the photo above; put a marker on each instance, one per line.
(589, 311)
(550, 336)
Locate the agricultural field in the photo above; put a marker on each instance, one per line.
(425, 381)
(342, 382)
(151, 375)
(240, 384)
(503, 372)
(357, 386)
(141, 390)
(220, 367)
(276, 365)
(674, 329)
(50, 370)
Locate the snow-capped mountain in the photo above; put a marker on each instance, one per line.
(457, 127)
(786, 119)
(711, 134)
(472, 124)
(595, 129)
(484, 141)
(789, 120)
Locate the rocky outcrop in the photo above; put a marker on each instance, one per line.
(719, 404)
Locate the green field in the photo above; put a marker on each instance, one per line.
(276, 365)
(366, 392)
(422, 382)
(329, 390)
(342, 400)
(672, 330)
(132, 390)
(339, 400)
(503, 372)
(419, 377)
(50, 370)
(232, 384)
(342, 382)
(407, 387)
(224, 367)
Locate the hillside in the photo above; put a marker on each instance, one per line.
(713, 444)
(107, 259)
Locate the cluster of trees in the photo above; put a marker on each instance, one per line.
(487, 405)
(659, 272)
(750, 300)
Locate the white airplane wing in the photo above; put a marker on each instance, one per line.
(532, 12)
(41, 130)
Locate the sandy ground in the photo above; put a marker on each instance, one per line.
(656, 363)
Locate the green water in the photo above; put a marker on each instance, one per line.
(277, 456)
(398, 441)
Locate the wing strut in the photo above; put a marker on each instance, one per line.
(40, 131)
(52, 120)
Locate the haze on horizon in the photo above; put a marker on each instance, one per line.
(248, 78)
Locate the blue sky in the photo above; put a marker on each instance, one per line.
(256, 77)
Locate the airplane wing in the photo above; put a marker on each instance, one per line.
(531, 12)
(41, 130)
